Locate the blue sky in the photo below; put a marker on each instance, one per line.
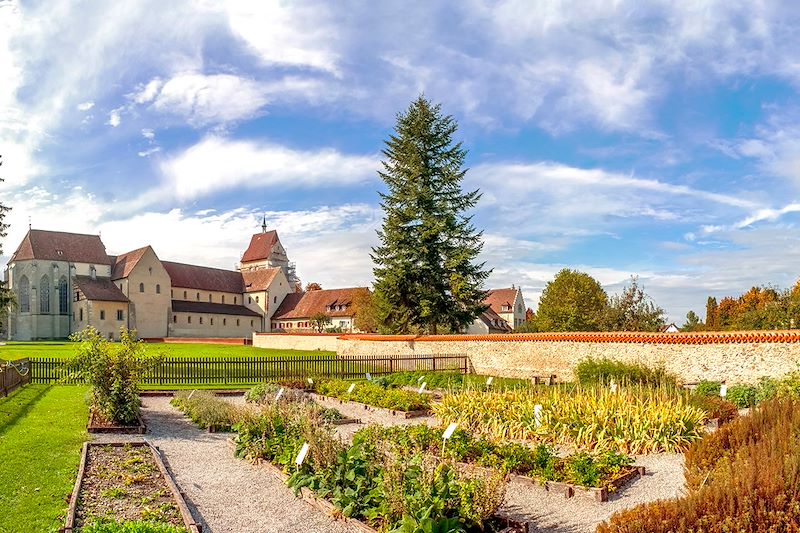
(652, 138)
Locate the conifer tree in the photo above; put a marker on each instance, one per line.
(426, 275)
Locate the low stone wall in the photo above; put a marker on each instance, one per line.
(733, 357)
(297, 341)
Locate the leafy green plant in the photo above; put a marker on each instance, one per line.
(707, 388)
(106, 526)
(207, 410)
(742, 395)
(113, 372)
(371, 394)
(602, 371)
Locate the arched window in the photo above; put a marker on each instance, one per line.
(141, 287)
(184, 295)
(209, 298)
(44, 295)
(223, 298)
(63, 297)
(24, 295)
(158, 288)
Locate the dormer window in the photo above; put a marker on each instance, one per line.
(506, 308)
(59, 252)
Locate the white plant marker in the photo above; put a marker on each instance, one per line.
(422, 387)
(449, 431)
(420, 378)
(489, 381)
(352, 386)
(723, 390)
(302, 455)
(191, 394)
(537, 415)
(369, 377)
(280, 393)
(613, 386)
(310, 381)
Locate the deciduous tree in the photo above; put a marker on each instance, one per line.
(634, 310)
(319, 321)
(573, 301)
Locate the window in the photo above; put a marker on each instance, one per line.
(274, 299)
(120, 315)
(198, 296)
(506, 308)
(141, 287)
(211, 320)
(234, 299)
(171, 293)
(188, 320)
(184, 295)
(150, 270)
(158, 288)
(102, 314)
(209, 298)
(224, 321)
(44, 295)
(251, 323)
(256, 299)
(81, 315)
(249, 300)
(174, 319)
(201, 320)
(237, 321)
(223, 298)
(63, 296)
(24, 295)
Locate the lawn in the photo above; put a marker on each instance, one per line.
(64, 349)
(41, 432)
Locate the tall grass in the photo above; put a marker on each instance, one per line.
(634, 419)
(602, 371)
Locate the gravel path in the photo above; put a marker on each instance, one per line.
(228, 495)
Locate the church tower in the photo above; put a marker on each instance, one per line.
(266, 251)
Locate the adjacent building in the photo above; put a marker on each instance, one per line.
(297, 310)
(505, 312)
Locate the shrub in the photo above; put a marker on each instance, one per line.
(266, 392)
(371, 394)
(207, 410)
(742, 396)
(602, 371)
(715, 407)
(744, 477)
(112, 371)
(707, 388)
(449, 381)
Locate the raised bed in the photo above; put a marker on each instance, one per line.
(343, 421)
(568, 490)
(170, 393)
(393, 412)
(97, 481)
(96, 425)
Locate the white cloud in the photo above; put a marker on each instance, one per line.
(148, 134)
(85, 106)
(149, 151)
(216, 164)
(145, 93)
(115, 117)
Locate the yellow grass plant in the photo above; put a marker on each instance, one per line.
(632, 419)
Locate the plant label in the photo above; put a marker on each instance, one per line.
(723, 390)
(191, 394)
(420, 378)
(537, 415)
(489, 381)
(310, 381)
(280, 393)
(350, 389)
(302, 455)
(369, 377)
(422, 387)
(449, 431)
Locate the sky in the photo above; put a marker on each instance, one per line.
(659, 139)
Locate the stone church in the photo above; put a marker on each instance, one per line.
(64, 282)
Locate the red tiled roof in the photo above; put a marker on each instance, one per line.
(123, 264)
(261, 245)
(497, 298)
(259, 280)
(102, 289)
(204, 278)
(495, 322)
(183, 306)
(61, 246)
(307, 304)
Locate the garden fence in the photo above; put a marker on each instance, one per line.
(175, 371)
(13, 374)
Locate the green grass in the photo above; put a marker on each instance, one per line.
(65, 349)
(41, 432)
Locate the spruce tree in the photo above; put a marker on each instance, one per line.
(426, 275)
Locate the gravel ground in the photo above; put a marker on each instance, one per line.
(227, 495)
(545, 512)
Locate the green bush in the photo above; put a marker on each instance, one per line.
(372, 394)
(742, 396)
(206, 410)
(448, 381)
(130, 527)
(707, 388)
(113, 372)
(602, 371)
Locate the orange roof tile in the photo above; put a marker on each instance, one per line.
(307, 304)
(124, 264)
(260, 247)
(497, 298)
(259, 280)
(62, 246)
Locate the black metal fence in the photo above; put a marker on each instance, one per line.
(175, 371)
(13, 374)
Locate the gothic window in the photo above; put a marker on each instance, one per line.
(63, 296)
(198, 296)
(44, 295)
(24, 295)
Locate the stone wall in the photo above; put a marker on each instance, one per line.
(301, 341)
(734, 357)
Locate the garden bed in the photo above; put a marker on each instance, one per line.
(125, 482)
(394, 412)
(599, 494)
(99, 424)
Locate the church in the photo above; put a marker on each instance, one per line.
(65, 282)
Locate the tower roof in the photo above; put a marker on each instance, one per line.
(261, 245)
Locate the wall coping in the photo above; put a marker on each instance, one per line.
(298, 334)
(624, 337)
